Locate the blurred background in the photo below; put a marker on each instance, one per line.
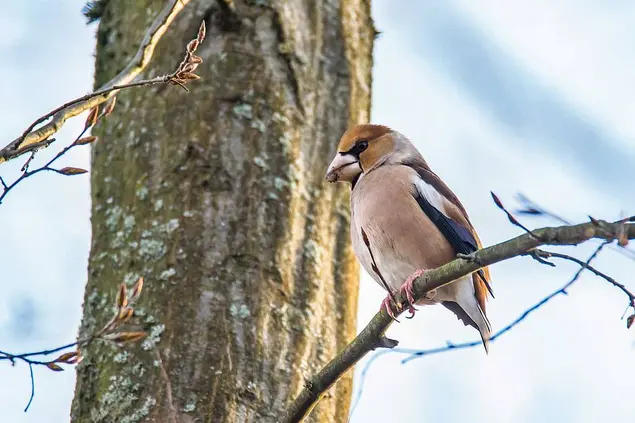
(532, 97)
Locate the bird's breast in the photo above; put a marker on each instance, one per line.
(401, 237)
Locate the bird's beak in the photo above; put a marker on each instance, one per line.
(344, 167)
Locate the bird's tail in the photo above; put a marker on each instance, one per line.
(468, 309)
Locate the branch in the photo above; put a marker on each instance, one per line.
(371, 336)
(32, 140)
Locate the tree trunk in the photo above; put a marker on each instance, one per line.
(217, 197)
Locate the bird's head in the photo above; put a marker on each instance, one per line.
(366, 147)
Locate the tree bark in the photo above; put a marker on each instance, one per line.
(217, 197)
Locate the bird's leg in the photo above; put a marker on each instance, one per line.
(387, 304)
(408, 291)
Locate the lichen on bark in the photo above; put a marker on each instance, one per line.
(217, 197)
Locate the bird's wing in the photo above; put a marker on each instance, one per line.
(445, 210)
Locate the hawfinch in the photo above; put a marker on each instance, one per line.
(405, 219)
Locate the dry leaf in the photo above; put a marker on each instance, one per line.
(77, 359)
(125, 314)
(67, 357)
(72, 171)
(74, 360)
(85, 140)
(201, 32)
(136, 289)
(497, 201)
(110, 106)
(192, 45)
(54, 367)
(189, 67)
(629, 321)
(190, 76)
(92, 117)
(122, 299)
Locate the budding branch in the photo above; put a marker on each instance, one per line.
(34, 139)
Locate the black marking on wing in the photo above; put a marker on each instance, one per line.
(373, 264)
(460, 313)
(457, 235)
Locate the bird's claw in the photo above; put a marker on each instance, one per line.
(386, 304)
(412, 311)
(407, 290)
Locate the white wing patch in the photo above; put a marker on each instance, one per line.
(432, 195)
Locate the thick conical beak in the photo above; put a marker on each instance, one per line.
(344, 167)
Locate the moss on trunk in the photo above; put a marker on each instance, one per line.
(217, 197)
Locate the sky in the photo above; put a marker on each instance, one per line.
(525, 96)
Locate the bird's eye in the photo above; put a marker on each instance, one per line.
(362, 145)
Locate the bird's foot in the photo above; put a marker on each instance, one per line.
(387, 304)
(470, 257)
(407, 290)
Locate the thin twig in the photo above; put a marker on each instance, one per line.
(510, 216)
(32, 388)
(26, 173)
(33, 139)
(25, 356)
(531, 208)
(593, 270)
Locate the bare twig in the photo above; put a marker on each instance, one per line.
(612, 281)
(181, 76)
(110, 332)
(26, 173)
(510, 216)
(28, 404)
(33, 139)
(531, 208)
(434, 279)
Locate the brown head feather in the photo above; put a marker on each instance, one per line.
(366, 131)
(379, 142)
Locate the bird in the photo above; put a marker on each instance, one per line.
(405, 220)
